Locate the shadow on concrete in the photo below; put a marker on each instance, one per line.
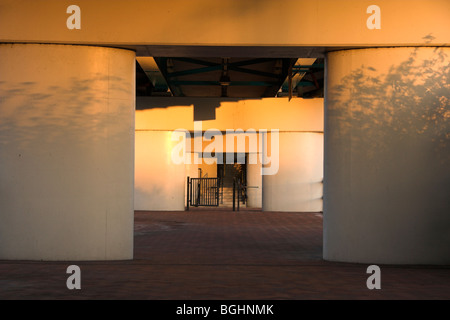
(390, 136)
(203, 108)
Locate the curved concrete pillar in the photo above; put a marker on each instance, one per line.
(66, 152)
(160, 183)
(387, 156)
(297, 186)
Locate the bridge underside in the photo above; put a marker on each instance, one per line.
(67, 115)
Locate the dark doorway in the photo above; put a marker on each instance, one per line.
(227, 174)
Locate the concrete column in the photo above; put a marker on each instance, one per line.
(66, 152)
(160, 183)
(387, 156)
(298, 184)
(254, 181)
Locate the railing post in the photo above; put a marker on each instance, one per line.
(234, 191)
(238, 192)
(190, 192)
(187, 195)
(217, 192)
(199, 190)
(221, 190)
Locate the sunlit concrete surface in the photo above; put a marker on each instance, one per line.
(220, 254)
(159, 183)
(157, 25)
(297, 186)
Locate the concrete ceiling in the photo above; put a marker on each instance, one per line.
(231, 76)
(230, 51)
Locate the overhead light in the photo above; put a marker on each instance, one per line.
(224, 80)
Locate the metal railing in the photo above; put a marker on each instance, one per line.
(202, 192)
(237, 194)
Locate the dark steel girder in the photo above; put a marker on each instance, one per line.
(272, 86)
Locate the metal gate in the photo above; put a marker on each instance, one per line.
(202, 192)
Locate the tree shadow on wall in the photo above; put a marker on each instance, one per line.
(387, 136)
(78, 113)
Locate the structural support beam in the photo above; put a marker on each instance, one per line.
(162, 65)
(217, 83)
(249, 23)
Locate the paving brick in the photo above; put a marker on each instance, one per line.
(221, 254)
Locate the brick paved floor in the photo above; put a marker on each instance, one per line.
(207, 254)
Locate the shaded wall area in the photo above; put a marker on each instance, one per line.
(66, 152)
(387, 156)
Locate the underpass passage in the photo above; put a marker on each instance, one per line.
(68, 122)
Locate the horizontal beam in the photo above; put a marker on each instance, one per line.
(312, 66)
(234, 66)
(255, 72)
(228, 23)
(194, 71)
(249, 62)
(300, 84)
(195, 61)
(305, 84)
(217, 83)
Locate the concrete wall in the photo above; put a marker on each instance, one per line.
(160, 113)
(66, 152)
(159, 183)
(297, 186)
(208, 170)
(254, 181)
(387, 156)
